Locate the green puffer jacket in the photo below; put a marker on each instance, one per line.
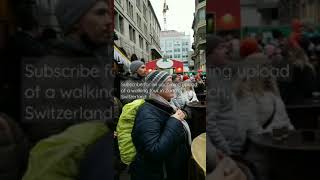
(58, 157)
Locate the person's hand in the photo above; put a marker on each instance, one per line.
(179, 115)
(227, 169)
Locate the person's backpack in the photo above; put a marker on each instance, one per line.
(60, 156)
(124, 129)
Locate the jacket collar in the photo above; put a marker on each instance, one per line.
(135, 76)
(168, 109)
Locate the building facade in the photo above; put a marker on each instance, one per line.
(259, 12)
(45, 12)
(199, 45)
(137, 29)
(307, 10)
(176, 45)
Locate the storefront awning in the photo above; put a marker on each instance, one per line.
(165, 64)
(120, 58)
(156, 54)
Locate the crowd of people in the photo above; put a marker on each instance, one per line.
(245, 105)
(157, 126)
(90, 149)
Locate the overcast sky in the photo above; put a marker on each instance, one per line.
(179, 17)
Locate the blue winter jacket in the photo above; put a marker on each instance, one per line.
(161, 143)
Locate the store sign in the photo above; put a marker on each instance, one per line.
(165, 63)
(119, 57)
(226, 14)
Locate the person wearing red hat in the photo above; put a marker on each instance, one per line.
(296, 34)
(185, 77)
(248, 47)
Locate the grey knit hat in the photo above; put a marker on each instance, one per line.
(68, 12)
(156, 79)
(135, 65)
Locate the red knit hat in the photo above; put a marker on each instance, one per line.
(198, 77)
(185, 77)
(248, 46)
(296, 25)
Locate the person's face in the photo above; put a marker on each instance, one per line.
(167, 91)
(142, 71)
(97, 23)
(220, 54)
(178, 79)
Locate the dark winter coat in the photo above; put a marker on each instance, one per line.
(301, 84)
(161, 143)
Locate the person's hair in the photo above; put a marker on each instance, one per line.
(213, 42)
(123, 51)
(187, 85)
(134, 57)
(298, 57)
(256, 86)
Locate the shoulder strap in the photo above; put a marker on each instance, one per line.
(266, 124)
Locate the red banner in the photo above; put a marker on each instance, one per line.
(226, 13)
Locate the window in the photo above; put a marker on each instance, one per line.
(127, 2)
(138, 4)
(176, 56)
(144, 11)
(201, 14)
(121, 26)
(147, 47)
(140, 42)
(139, 21)
(130, 9)
(132, 34)
(145, 29)
(176, 50)
(116, 21)
(185, 43)
(169, 51)
(168, 43)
